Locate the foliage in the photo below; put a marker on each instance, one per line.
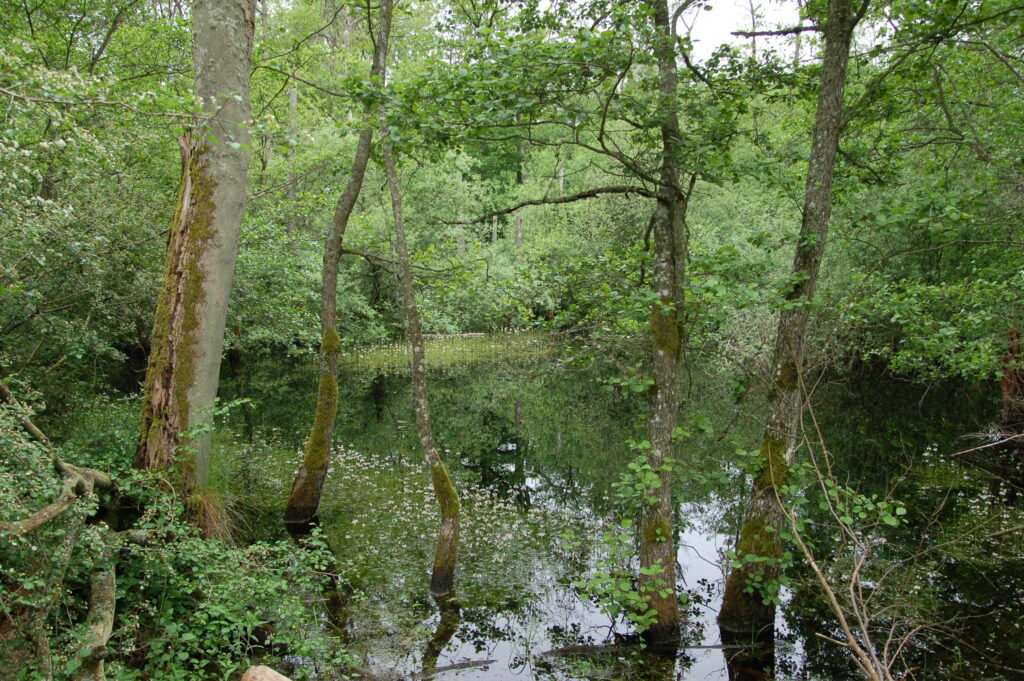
(186, 605)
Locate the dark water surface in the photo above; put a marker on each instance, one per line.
(536, 444)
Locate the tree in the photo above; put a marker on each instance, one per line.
(745, 609)
(668, 225)
(304, 498)
(442, 577)
(188, 329)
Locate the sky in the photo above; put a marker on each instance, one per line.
(714, 27)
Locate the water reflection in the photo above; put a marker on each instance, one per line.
(447, 625)
(541, 446)
(749, 660)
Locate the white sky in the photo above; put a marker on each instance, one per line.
(714, 27)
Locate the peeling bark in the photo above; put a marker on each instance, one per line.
(188, 330)
(442, 578)
(763, 517)
(304, 499)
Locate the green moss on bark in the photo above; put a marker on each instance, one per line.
(176, 336)
(331, 342)
(656, 531)
(773, 466)
(447, 497)
(318, 445)
(665, 330)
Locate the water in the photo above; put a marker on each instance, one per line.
(535, 444)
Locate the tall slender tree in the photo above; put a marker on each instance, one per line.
(304, 499)
(763, 518)
(668, 223)
(442, 578)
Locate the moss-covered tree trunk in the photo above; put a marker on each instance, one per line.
(304, 499)
(188, 331)
(657, 548)
(763, 517)
(442, 577)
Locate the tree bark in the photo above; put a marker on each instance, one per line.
(763, 517)
(442, 578)
(522, 176)
(99, 622)
(293, 184)
(1010, 456)
(304, 499)
(188, 330)
(657, 579)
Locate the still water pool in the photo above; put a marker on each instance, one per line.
(536, 441)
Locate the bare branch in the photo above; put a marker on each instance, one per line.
(782, 31)
(589, 194)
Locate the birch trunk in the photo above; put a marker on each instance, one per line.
(763, 517)
(188, 331)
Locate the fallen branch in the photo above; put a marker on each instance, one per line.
(1011, 530)
(78, 482)
(99, 622)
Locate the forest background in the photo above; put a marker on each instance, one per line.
(530, 140)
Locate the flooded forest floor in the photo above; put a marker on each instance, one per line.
(538, 445)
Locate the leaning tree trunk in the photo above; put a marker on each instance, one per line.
(657, 579)
(442, 577)
(764, 517)
(188, 330)
(304, 499)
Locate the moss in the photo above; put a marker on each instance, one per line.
(176, 336)
(656, 530)
(786, 380)
(772, 460)
(331, 343)
(665, 330)
(447, 497)
(318, 445)
(758, 539)
(193, 294)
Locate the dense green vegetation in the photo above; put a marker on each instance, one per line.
(629, 203)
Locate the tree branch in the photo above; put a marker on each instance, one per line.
(589, 194)
(782, 31)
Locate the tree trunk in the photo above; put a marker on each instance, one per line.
(442, 578)
(522, 176)
(293, 184)
(657, 579)
(1010, 456)
(188, 330)
(304, 499)
(763, 517)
